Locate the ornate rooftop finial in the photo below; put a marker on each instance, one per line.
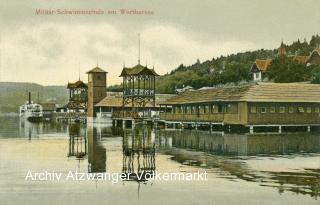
(79, 70)
(139, 50)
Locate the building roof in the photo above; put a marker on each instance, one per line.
(282, 49)
(48, 106)
(97, 70)
(315, 52)
(261, 92)
(78, 84)
(138, 70)
(301, 59)
(261, 65)
(116, 100)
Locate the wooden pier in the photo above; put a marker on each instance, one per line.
(70, 117)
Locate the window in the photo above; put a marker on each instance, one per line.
(227, 108)
(263, 110)
(300, 109)
(212, 109)
(206, 108)
(189, 109)
(291, 110)
(282, 109)
(316, 109)
(253, 109)
(99, 77)
(193, 109)
(220, 108)
(272, 109)
(308, 109)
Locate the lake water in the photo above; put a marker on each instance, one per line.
(241, 169)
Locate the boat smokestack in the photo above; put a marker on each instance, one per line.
(29, 98)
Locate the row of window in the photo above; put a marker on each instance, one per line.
(283, 109)
(196, 109)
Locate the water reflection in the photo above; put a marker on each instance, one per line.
(289, 163)
(30, 129)
(245, 144)
(138, 154)
(225, 154)
(96, 151)
(77, 142)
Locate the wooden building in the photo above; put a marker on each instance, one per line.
(138, 90)
(262, 104)
(78, 97)
(112, 105)
(314, 58)
(48, 110)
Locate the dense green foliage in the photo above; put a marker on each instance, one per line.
(315, 74)
(235, 69)
(285, 70)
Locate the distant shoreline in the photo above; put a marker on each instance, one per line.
(9, 114)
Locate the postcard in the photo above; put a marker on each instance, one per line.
(145, 102)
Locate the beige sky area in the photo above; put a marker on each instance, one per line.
(47, 49)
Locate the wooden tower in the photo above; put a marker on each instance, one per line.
(138, 87)
(78, 96)
(97, 88)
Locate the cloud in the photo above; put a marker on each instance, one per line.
(172, 46)
(49, 53)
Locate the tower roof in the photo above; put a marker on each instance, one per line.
(282, 49)
(78, 84)
(96, 70)
(138, 70)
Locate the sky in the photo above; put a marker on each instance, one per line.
(51, 49)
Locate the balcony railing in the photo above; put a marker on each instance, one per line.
(138, 92)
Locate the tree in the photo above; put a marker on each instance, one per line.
(284, 69)
(315, 74)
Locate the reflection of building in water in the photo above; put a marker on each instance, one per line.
(246, 144)
(27, 129)
(103, 131)
(77, 142)
(96, 152)
(31, 129)
(138, 154)
(185, 147)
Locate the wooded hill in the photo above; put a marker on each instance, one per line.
(231, 69)
(12, 95)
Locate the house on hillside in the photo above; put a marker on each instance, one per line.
(260, 66)
(314, 58)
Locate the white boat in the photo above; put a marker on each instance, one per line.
(31, 111)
